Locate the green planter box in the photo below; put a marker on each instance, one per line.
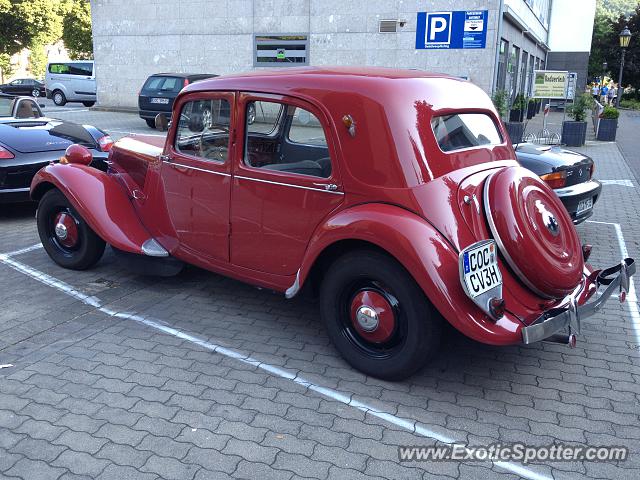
(515, 131)
(574, 133)
(607, 129)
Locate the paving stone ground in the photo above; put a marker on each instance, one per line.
(96, 396)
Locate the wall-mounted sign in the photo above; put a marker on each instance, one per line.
(457, 29)
(550, 84)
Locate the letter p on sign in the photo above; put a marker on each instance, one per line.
(438, 28)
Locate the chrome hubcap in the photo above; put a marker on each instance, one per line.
(367, 318)
(61, 231)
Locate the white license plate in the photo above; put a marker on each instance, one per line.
(160, 100)
(479, 268)
(584, 205)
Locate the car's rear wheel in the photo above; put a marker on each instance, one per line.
(151, 123)
(88, 104)
(59, 98)
(35, 92)
(377, 316)
(66, 237)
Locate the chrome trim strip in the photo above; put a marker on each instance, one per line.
(293, 289)
(579, 188)
(289, 185)
(174, 164)
(152, 248)
(14, 190)
(503, 250)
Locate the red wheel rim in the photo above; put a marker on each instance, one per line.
(65, 230)
(372, 316)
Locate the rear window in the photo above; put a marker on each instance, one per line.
(164, 84)
(465, 130)
(85, 69)
(6, 107)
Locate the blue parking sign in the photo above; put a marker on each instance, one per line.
(457, 29)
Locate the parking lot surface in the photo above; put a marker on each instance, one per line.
(111, 375)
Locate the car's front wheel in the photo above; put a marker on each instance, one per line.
(66, 237)
(59, 98)
(35, 92)
(377, 316)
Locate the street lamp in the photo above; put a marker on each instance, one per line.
(604, 70)
(625, 38)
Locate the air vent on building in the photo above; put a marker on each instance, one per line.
(388, 26)
(281, 50)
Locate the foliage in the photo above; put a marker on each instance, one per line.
(500, 98)
(6, 69)
(77, 30)
(607, 13)
(520, 102)
(610, 112)
(578, 109)
(631, 103)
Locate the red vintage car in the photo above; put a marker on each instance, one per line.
(394, 195)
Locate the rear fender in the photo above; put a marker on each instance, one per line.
(424, 253)
(99, 199)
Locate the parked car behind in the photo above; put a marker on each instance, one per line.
(159, 92)
(394, 195)
(24, 86)
(29, 141)
(72, 81)
(568, 173)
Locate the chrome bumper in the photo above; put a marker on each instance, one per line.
(616, 278)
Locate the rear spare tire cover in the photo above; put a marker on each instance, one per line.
(534, 232)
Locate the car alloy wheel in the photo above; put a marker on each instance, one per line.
(207, 118)
(65, 231)
(35, 92)
(58, 98)
(251, 113)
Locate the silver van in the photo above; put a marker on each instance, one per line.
(73, 81)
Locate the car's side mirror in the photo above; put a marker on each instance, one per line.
(161, 122)
(77, 154)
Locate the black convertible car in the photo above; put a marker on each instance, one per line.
(569, 173)
(29, 141)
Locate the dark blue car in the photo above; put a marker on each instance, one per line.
(29, 141)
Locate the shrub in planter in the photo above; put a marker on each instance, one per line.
(574, 132)
(608, 124)
(518, 109)
(500, 99)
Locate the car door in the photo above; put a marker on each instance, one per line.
(15, 87)
(285, 183)
(196, 178)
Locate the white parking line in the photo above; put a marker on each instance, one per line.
(409, 425)
(621, 183)
(66, 111)
(632, 298)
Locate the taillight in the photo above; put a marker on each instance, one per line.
(555, 179)
(592, 169)
(5, 154)
(186, 82)
(105, 143)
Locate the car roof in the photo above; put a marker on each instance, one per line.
(184, 75)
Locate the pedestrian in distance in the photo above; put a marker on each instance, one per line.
(595, 90)
(614, 95)
(603, 94)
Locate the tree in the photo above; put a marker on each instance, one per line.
(14, 34)
(631, 74)
(77, 30)
(607, 13)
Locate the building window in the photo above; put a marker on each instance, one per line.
(523, 72)
(502, 64)
(281, 50)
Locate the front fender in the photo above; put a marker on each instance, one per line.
(425, 254)
(99, 199)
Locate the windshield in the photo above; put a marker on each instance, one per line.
(6, 104)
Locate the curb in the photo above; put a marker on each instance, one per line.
(114, 109)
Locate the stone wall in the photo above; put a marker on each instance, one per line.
(134, 39)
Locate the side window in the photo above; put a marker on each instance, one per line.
(203, 129)
(285, 138)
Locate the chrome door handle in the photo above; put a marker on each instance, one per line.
(331, 187)
(165, 158)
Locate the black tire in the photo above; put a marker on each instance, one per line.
(151, 123)
(88, 104)
(35, 92)
(89, 247)
(58, 98)
(418, 326)
(251, 113)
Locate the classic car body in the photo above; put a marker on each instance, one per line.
(29, 141)
(395, 194)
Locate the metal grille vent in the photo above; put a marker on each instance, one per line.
(388, 26)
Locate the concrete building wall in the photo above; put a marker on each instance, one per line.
(134, 39)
